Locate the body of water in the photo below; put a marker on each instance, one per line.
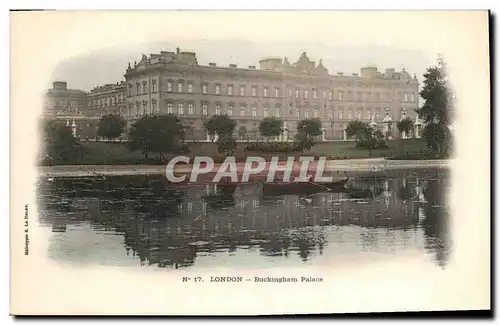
(143, 221)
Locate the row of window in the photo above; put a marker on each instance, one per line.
(142, 86)
(230, 110)
(104, 102)
(268, 92)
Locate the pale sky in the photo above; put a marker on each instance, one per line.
(92, 48)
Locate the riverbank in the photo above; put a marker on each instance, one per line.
(349, 165)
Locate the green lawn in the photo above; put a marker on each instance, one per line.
(113, 153)
(348, 150)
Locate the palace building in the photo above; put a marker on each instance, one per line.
(59, 101)
(174, 82)
(106, 99)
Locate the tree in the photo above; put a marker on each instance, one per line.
(156, 134)
(303, 141)
(438, 138)
(355, 128)
(226, 144)
(271, 127)
(369, 138)
(219, 124)
(311, 127)
(111, 126)
(405, 125)
(60, 146)
(438, 102)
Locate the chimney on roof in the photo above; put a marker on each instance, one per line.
(212, 64)
(60, 85)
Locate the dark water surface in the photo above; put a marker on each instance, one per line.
(143, 221)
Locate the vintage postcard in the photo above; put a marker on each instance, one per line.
(249, 162)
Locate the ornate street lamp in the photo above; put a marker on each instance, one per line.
(417, 127)
(73, 125)
(403, 116)
(73, 128)
(285, 132)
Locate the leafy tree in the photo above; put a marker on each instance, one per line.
(156, 134)
(60, 146)
(311, 127)
(366, 138)
(302, 141)
(370, 139)
(242, 132)
(271, 127)
(405, 125)
(226, 144)
(219, 124)
(356, 128)
(111, 126)
(438, 102)
(438, 138)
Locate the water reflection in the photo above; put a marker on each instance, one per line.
(168, 226)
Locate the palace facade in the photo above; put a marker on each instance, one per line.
(106, 99)
(59, 101)
(174, 82)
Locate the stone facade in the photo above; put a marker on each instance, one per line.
(107, 99)
(82, 110)
(174, 82)
(59, 101)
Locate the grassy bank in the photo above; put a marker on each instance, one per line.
(112, 153)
